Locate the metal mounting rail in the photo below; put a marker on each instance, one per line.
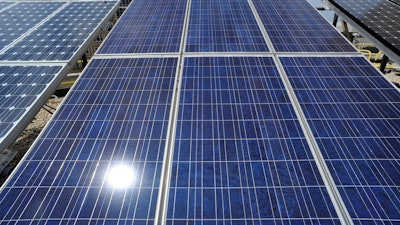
(162, 201)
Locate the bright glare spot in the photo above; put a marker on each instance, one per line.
(120, 176)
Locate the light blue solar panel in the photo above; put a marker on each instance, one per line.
(23, 16)
(223, 26)
(116, 115)
(295, 26)
(5, 4)
(354, 115)
(148, 27)
(240, 156)
(20, 88)
(61, 36)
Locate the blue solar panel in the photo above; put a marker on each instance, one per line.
(20, 87)
(295, 26)
(240, 156)
(223, 26)
(5, 4)
(354, 115)
(148, 27)
(62, 35)
(23, 16)
(116, 115)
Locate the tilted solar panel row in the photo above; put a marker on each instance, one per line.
(58, 38)
(223, 26)
(36, 35)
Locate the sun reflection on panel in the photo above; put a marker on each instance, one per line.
(121, 176)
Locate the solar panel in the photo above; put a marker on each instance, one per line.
(354, 115)
(5, 5)
(295, 26)
(216, 139)
(395, 1)
(62, 35)
(56, 34)
(240, 156)
(223, 26)
(147, 27)
(21, 88)
(380, 19)
(120, 109)
(23, 16)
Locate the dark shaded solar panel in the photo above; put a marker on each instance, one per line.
(223, 26)
(23, 16)
(380, 18)
(147, 27)
(240, 154)
(295, 26)
(395, 1)
(62, 35)
(354, 115)
(20, 87)
(115, 119)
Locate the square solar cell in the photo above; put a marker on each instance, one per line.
(295, 26)
(148, 27)
(354, 115)
(240, 154)
(223, 26)
(100, 158)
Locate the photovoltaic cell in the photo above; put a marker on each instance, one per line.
(380, 18)
(223, 26)
(295, 26)
(18, 19)
(62, 35)
(354, 115)
(148, 27)
(20, 87)
(116, 117)
(240, 156)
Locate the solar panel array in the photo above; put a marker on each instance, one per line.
(379, 18)
(218, 125)
(39, 41)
